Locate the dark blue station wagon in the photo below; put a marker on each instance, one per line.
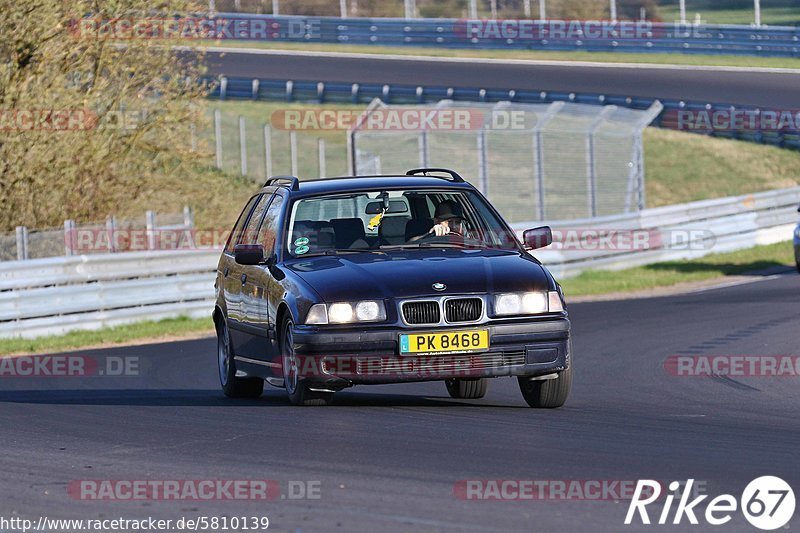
(331, 283)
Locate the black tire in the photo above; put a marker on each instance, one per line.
(550, 393)
(296, 389)
(798, 266)
(232, 386)
(467, 389)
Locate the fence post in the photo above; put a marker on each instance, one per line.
(343, 8)
(268, 150)
(188, 217)
(526, 6)
(483, 163)
(323, 168)
(276, 7)
(69, 237)
(552, 111)
(22, 243)
(473, 9)
(193, 133)
(218, 136)
(424, 157)
(293, 151)
(150, 227)
(591, 167)
(111, 228)
(542, 10)
(243, 145)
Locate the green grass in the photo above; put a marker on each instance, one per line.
(775, 16)
(165, 330)
(602, 57)
(713, 266)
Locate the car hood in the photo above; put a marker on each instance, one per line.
(412, 273)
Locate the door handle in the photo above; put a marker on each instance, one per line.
(244, 279)
(225, 272)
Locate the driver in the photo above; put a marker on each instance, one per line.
(448, 220)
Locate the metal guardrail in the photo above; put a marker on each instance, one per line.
(671, 233)
(56, 295)
(777, 41)
(355, 93)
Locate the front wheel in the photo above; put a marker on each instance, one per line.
(298, 391)
(467, 389)
(550, 393)
(233, 386)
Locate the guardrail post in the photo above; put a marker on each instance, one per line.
(268, 150)
(323, 169)
(69, 237)
(111, 228)
(218, 136)
(255, 89)
(243, 145)
(321, 92)
(22, 243)
(293, 151)
(385, 92)
(289, 90)
(354, 93)
(150, 227)
(223, 87)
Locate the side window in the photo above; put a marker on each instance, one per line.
(250, 233)
(268, 233)
(236, 234)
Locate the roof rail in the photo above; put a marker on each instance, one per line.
(293, 185)
(454, 176)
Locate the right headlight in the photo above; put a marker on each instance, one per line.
(347, 312)
(527, 303)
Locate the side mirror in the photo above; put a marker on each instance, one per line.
(248, 254)
(538, 237)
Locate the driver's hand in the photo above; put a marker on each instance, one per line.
(440, 230)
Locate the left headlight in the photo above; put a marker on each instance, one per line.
(347, 312)
(527, 303)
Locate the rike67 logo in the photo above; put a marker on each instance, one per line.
(767, 503)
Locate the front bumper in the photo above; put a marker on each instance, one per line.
(343, 357)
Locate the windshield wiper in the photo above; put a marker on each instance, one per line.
(335, 252)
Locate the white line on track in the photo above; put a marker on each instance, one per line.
(483, 60)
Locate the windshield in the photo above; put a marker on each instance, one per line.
(385, 220)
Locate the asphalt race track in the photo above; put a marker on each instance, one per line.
(761, 88)
(387, 457)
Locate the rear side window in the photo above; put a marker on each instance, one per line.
(269, 227)
(236, 234)
(250, 233)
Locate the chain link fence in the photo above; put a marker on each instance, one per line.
(558, 161)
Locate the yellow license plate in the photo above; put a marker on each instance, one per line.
(449, 342)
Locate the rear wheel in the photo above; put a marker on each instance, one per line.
(298, 391)
(232, 386)
(549, 393)
(468, 389)
(798, 266)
